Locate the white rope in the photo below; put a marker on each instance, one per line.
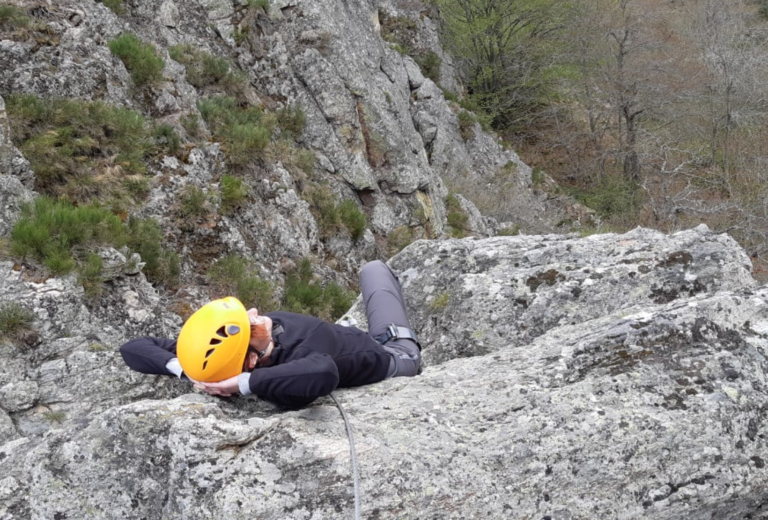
(355, 475)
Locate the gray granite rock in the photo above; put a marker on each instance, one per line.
(642, 395)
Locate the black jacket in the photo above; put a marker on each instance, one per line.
(310, 359)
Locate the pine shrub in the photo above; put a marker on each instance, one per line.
(233, 193)
(352, 218)
(304, 296)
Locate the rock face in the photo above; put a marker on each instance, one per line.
(381, 133)
(613, 376)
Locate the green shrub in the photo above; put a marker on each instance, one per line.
(15, 320)
(234, 275)
(140, 58)
(11, 17)
(115, 5)
(450, 96)
(398, 239)
(429, 62)
(467, 121)
(205, 70)
(145, 237)
(304, 296)
(478, 111)
(89, 275)
(612, 196)
(193, 203)
(49, 230)
(322, 205)
(291, 120)
(233, 193)
(257, 4)
(191, 125)
(85, 142)
(456, 217)
(509, 231)
(166, 134)
(244, 132)
(352, 218)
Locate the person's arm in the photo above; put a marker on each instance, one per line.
(152, 356)
(292, 385)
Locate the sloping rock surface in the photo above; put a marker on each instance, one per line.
(641, 396)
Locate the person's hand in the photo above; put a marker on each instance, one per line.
(223, 388)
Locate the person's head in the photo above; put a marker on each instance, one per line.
(213, 343)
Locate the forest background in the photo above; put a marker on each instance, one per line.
(651, 112)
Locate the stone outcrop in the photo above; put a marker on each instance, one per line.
(613, 376)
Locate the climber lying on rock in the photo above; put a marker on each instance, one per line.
(285, 358)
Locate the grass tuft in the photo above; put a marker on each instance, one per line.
(235, 275)
(15, 320)
(244, 131)
(140, 58)
(79, 150)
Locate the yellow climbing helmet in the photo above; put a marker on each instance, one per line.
(214, 340)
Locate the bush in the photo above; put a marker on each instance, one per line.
(257, 4)
(115, 5)
(50, 230)
(352, 218)
(291, 120)
(303, 296)
(323, 207)
(11, 17)
(167, 134)
(429, 63)
(612, 196)
(15, 320)
(456, 217)
(398, 239)
(234, 275)
(140, 58)
(145, 237)
(205, 70)
(89, 275)
(509, 231)
(194, 203)
(245, 132)
(233, 193)
(86, 142)
(467, 121)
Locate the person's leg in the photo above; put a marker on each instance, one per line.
(384, 306)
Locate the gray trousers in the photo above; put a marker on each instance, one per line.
(384, 306)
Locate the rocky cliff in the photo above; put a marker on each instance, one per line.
(613, 376)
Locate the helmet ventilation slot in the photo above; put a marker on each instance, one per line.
(204, 364)
(222, 333)
(215, 341)
(208, 354)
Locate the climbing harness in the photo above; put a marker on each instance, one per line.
(396, 332)
(355, 475)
